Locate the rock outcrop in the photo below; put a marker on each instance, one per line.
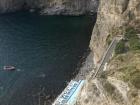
(51, 7)
(112, 15)
(117, 85)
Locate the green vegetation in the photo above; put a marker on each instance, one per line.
(112, 92)
(103, 75)
(109, 88)
(132, 75)
(130, 42)
(113, 32)
(109, 39)
(120, 48)
(133, 93)
(134, 44)
(131, 15)
(127, 68)
(135, 80)
(133, 39)
(130, 33)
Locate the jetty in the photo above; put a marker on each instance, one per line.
(70, 93)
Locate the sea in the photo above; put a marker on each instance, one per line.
(45, 51)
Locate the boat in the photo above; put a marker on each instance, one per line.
(9, 68)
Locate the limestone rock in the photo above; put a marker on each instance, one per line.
(113, 16)
(51, 7)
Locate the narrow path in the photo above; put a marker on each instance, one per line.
(107, 56)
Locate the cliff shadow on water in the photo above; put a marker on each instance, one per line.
(45, 51)
(85, 63)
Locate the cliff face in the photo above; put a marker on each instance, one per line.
(51, 7)
(112, 16)
(70, 7)
(118, 85)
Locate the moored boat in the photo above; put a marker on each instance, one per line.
(9, 68)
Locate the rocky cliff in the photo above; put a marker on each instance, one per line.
(51, 7)
(119, 84)
(113, 15)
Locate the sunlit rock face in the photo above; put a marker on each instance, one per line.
(51, 7)
(113, 17)
(112, 14)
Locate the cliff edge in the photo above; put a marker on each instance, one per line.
(118, 83)
(51, 7)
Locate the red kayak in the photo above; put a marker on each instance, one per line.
(9, 68)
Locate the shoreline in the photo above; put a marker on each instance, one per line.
(86, 67)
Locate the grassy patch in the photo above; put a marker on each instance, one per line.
(134, 44)
(109, 88)
(113, 32)
(103, 75)
(135, 79)
(120, 48)
(131, 42)
(112, 92)
(127, 68)
(133, 39)
(132, 75)
(130, 33)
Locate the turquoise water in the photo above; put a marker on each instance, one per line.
(45, 51)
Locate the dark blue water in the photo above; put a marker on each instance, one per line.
(45, 51)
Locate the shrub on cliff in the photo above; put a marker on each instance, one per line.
(108, 39)
(120, 48)
(130, 33)
(109, 88)
(134, 44)
(135, 80)
(112, 92)
(132, 38)
(132, 75)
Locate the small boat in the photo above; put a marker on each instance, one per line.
(9, 68)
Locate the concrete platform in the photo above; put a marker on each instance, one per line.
(69, 95)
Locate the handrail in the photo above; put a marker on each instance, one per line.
(103, 58)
